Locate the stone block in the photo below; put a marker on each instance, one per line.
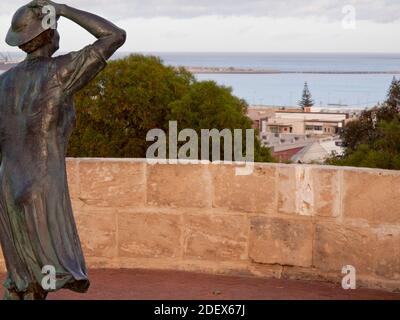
(215, 237)
(254, 193)
(372, 195)
(326, 188)
(112, 183)
(281, 241)
(97, 231)
(286, 188)
(149, 235)
(72, 176)
(187, 186)
(373, 252)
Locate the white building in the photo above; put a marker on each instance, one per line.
(313, 123)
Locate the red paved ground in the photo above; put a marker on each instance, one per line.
(174, 285)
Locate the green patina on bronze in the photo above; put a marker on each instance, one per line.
(37, 116)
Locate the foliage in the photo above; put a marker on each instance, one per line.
(306, 100)
(384, 152)
(128, 98)
(374, 139)
(207, 106)
(137, 94)
(394, 93)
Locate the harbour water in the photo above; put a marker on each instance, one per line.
(344, 87)
(350, 90)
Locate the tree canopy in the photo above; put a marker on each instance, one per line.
(139, 93)
(374, 139)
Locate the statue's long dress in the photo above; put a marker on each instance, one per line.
(37, 116)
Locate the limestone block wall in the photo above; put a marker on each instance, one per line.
(283, 221)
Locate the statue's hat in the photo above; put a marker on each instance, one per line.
(26, 25)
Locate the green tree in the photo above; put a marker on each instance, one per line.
(306, 100)
(383, 153)
(137, 94)
(393, 98)
(126, 100)
(210, 106)
(360, 131)
(374, 139)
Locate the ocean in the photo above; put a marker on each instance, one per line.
(349, 89)
(344, 85)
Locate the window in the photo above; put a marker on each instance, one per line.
(314, 128)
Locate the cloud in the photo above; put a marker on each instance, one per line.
(373, 10)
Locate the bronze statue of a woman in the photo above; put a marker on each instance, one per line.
(37, 116)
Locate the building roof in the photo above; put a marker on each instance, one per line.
(287, 155)
(332, 113)
(260, 113)
(317, 151)
(279, 124)
(323, 121)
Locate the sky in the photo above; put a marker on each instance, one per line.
(236, 25)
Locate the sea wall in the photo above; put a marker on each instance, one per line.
(283, 221)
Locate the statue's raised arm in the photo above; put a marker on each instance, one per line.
(110, 37)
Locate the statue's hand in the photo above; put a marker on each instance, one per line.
(39, 4)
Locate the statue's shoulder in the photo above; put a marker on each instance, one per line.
(5, 76)
(86, 56)
(3, 81)
(7, 81)
(8, 74)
